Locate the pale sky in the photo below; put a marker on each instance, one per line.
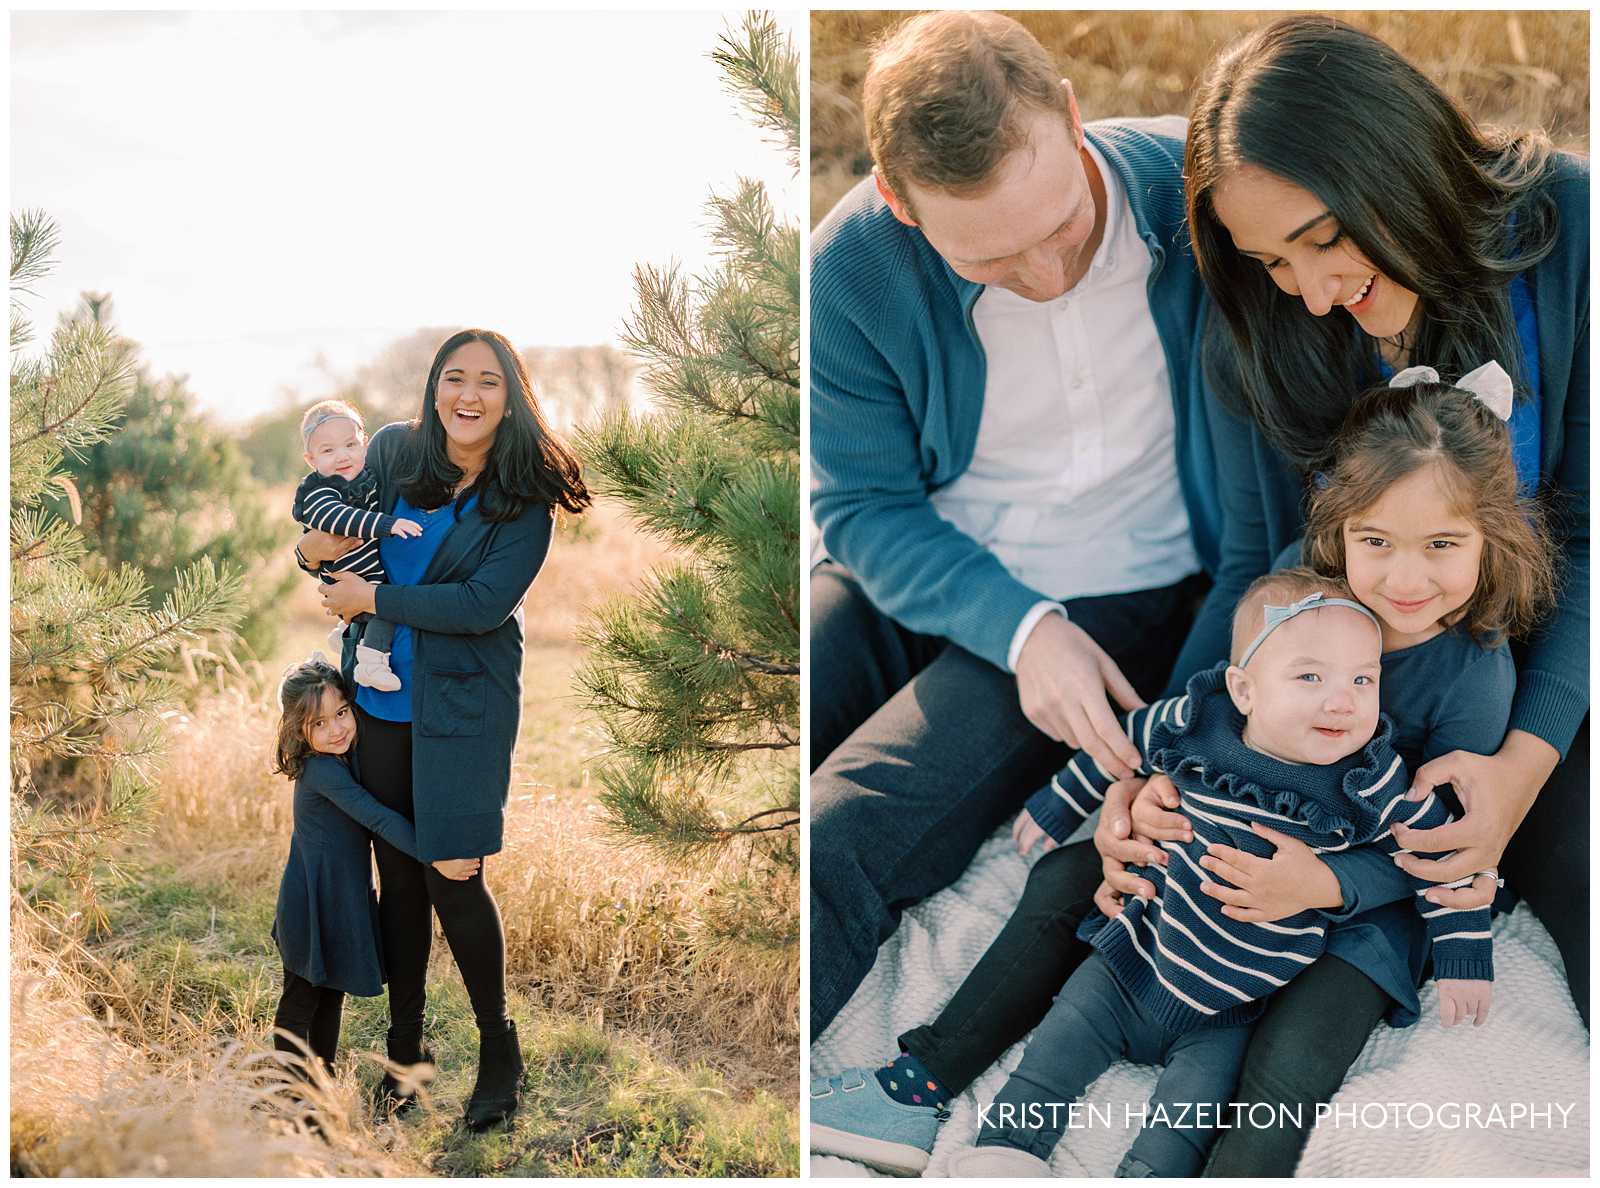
(258, 189)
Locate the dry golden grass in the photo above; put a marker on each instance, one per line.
(105, 1094)
(599, 938)
(1517, 70)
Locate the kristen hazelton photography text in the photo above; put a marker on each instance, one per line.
(312, 581)
(1199, 623)
(1208, 1115)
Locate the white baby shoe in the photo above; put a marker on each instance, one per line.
(373, 671)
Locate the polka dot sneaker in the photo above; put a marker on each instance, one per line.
(853, 1118)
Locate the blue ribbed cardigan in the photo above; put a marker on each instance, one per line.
(1186, 962)
(1263, 495)
(897, 388)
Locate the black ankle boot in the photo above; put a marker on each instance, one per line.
(405, 1049)
(499, 1089)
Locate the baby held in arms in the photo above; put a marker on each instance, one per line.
(1287, 736)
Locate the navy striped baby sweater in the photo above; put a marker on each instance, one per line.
(345, 507)
(1186, 962)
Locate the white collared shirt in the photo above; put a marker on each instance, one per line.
(1073, 483)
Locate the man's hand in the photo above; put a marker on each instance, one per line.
(319, 547)
(1025, 831)
(1062, 678)
(1118, 845)
(459, 869)
(1461, 999)
(1274, 888)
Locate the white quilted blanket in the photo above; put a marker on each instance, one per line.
(1533, 1053)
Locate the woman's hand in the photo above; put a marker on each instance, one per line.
(1496, 791)
(1274, 888)
(318, 547)
(1119, 845)
(459, 869)
(348, 596)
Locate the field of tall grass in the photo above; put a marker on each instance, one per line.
(143, 1051)
(1516, 69)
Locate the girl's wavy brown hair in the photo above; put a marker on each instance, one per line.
(300, 696)
(1392, 433)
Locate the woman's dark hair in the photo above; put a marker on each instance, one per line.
(527, 462)
(1421, 191)
(300, 697)
(1393, 432)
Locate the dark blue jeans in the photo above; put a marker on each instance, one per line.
(1094, 1023)
(920, 750)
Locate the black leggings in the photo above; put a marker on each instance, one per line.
(408, 888)
(312, 1013)
(1313, 1029)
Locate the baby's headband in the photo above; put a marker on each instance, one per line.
(1276, 615)
(350, 414)
(1489, 383)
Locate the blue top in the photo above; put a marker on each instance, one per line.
(406, 560)
(1262, 493)
(897, 386)
(1526, 439)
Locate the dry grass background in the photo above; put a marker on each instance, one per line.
(1516, 69)
(140, 1053)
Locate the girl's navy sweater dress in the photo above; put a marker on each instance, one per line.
(327, 923)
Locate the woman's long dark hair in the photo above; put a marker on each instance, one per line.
(1424, 194)
(527, 462)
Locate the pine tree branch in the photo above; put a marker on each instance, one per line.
(110, 378)
(784, 744)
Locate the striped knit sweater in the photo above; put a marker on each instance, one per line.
(1178, 954)
(345, 507)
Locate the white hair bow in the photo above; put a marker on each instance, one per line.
(1489, 383)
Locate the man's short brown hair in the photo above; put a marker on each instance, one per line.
(944, 96)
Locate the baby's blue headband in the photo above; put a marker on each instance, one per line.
(1276, 615)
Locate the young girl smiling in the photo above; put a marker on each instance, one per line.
(327, 920)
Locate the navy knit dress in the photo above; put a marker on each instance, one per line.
(327, 922)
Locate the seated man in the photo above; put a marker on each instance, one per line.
(1013, 478)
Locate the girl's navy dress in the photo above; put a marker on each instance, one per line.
(327, 923)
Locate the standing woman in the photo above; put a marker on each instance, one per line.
(1350, 220)
(482, 473)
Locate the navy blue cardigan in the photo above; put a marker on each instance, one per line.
(1263, 495)
(327, 920)
(897, 389)
(466, 692)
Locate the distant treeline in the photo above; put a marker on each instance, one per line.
(573, 385)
